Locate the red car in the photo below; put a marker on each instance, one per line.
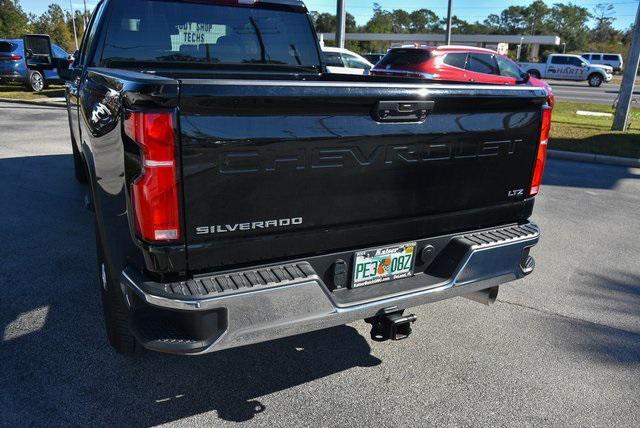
(456, 64)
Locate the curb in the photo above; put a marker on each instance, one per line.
(593, 158)
(34, 102)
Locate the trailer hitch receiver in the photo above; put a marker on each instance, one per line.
(391, 326)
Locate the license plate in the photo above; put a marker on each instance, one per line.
(383, 264)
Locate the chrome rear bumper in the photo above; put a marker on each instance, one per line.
(290, 306)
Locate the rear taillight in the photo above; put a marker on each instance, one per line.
(155, 191)
(11, 57)
(541, 157)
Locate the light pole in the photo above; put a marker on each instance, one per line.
(564, 48)
(73, 21)
(621, 117)
(448, 36)
(519, 49)
(341, 18)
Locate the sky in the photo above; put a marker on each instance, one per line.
(469, 10)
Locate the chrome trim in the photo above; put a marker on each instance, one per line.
(386, 85)
(305, 305)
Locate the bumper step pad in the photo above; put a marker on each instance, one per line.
(236, 282)
(501, 235)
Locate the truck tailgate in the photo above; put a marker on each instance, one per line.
(280, 169)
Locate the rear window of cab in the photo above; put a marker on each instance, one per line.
(166, 31)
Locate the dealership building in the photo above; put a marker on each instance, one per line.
(500, 43)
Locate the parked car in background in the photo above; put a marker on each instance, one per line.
(373, 58)
(451, 63)
(569, 67)
(13, 66)
(456, 64)
(612, 60)
(343, 61)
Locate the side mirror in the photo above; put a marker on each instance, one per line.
(524, 78)
(28, 53)
(583, 64)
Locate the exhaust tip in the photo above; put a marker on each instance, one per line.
(486, 297)
(527, 262)
(527, 265)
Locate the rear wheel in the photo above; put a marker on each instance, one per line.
(115, 312)
(595, 80)
(36, 81)
(534, 73)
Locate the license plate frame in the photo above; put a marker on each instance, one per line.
(381, 259)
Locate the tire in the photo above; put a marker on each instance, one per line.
(35, 82)
(594, 80)
(116, 317)
(79, 169)
(534, 73)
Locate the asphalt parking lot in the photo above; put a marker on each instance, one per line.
(561, 348)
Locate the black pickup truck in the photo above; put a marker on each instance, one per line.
(241, 194)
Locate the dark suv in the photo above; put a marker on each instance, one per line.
(13, 66)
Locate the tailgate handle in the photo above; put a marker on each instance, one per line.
(402, 111)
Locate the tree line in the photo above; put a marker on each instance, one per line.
(568, 21)
(58, 23)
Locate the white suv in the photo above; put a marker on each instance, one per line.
(612, 60)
